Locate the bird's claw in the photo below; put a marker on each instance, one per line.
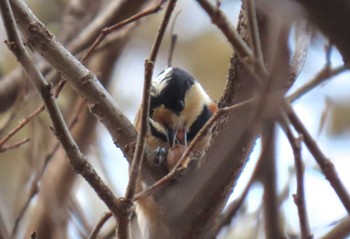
(160, 156)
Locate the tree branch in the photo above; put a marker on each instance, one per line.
(325, 164)
(18, 144)
(107, 30)
(299, 197)
(77, 160)
(325, 74)
(83, 82)
(99, 225)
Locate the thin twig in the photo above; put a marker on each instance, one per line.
(140, 145)
(325, 74)
(21, 124)
(108, 30)
(242, 50)
(149, 64)
(75, 209)
(299, 197)
(14, 112)
(14, 145)
(325, 164)
(254, 31)
(99, 225)
(76, 158)
(28, 118)
(173, 39)
(178, 167)
(84, 82)
(34, 188)
(219, 18)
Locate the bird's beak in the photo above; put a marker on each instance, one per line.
(181, 136)
(171, 137)
(178, 134)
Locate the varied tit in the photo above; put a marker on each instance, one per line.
(178, 110)
(179, 107)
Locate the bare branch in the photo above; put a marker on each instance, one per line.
(299, 197)
(271, 206)
(77, 160)
(83, 82)
(21, 124)
(149, 64)
(108, 30)
(254, 31)
(325, 74)
(325, 164)
(115, 11)
(219, 19)
(137, 161)
(18, 144)
(242, 50)
(98, 226)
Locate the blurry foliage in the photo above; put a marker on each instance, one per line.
(210, 50)
(339, 123)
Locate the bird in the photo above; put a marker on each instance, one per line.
(179, 108)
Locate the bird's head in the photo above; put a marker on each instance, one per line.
(179, 106)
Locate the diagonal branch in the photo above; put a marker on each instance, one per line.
(83, 82)
(108, 30)
(325, 164)
(325, 74)
(77, 160)
(18, 144)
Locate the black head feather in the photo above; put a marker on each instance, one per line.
(174, 87)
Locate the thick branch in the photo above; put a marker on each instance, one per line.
(77, 160)
(81, 79)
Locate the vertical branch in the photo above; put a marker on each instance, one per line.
(140, 145)
(299, 197)
(149, 64)
(325, 164)
(254, 31)
(271, 205)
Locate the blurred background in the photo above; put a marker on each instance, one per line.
(202, 50)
